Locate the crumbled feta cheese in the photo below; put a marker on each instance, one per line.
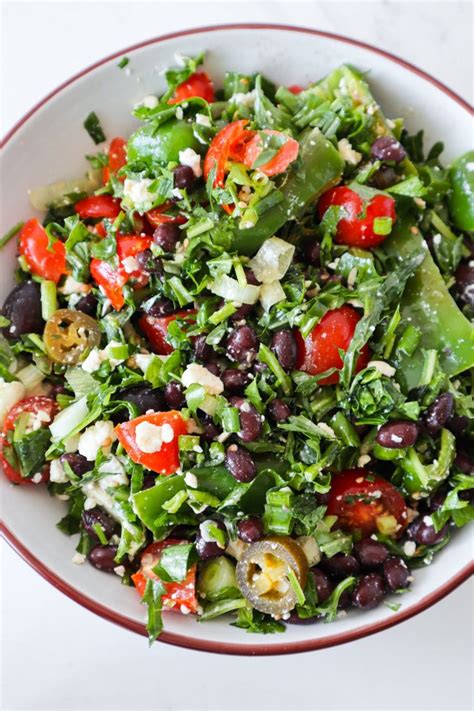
(409, 548)
(92, 362)
(396, 438)
(150, 437)
(196, 373)
(10, 394)
(192, 159)
(347, 153)
(57, 473)
(203, 120)
(37, 478)
(115, 474)
(143, 360)
(179, 113)
(119, 570)
(149, 102)
(191, 480)
(99, 436)
(382, 367)
(427, 520)
(130, 264)
(437, 240)
(71, 286)
(363, 460)
(78, 558)
(136, 191)
(326, 429)
(243, 99)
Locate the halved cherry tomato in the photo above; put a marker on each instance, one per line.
(320, 350)
(117, 158)
(48, 409)
(97, 206)
(179, 596)
(130, 246)
(157, 217)
(198, 84)
(357, 229)
(295, 89)
(112, 280)
(280, 162)
(166, 459)
(156, 329)
(44, 261)
(228, 144)
(365, 502)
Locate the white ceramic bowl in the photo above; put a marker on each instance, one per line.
(50, 143)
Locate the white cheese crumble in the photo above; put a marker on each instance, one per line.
(363, 460)
(409, 548)
(57, 473)
(150, 437)
(347, 153)
(119, 570)
(130, 264)
(99, 436)
(37, 478)
(203, 120)
(137, 192)
(196, 373)
(327, 430)
(243, 99)
(10, 394)
(382, 367)
(149, 102)
(191, 480)
(192, 159)
(143, 360)
(92, 362)
(78, 558)
(71, 286)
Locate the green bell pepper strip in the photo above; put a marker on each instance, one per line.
(428, 306)
(461, 199)
(423, 479)
(148, 504)
(158, 145)
(320, 168)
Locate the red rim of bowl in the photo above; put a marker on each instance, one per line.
(182, 640)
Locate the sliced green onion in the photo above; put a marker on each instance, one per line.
(266, 356)
(179, 290)
(409, 340)
(10, 234)
(199, 228)
(49, 301)
(188, 442)
(99, 531)
(222, 314)
(382, 225)
(195, 396)
(119, 352)
(293, 580)
(429, 366)
(230, 419)
(344, 430)
(30, 376)
(173, 505)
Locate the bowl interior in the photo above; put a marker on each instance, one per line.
(51, 146)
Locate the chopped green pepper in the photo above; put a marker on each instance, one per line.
(461, 200)
(158, 145)
(423, 479)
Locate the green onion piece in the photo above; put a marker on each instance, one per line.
(429, 366)
(344, 430)
(123, 62)
(199, 228)
(266, 356)
(382, 225)
(222, 314)
(239, 272)
(276, 520)
(93, 128)
(10, 234)
(188, 442)
(195, 396)
(100, 533)
(173, 505)
(293, 580)
(409, 340)
(221, 607)
(118, 352)
(230, 419)
(182, 294)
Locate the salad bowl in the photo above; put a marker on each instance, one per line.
(49, 144)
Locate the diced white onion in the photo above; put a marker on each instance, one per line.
(230, 290)
(272, 260)
(271, 294)
(68, 419)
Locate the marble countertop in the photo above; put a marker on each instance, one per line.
(57, 655)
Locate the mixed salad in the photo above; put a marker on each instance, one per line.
(241, 351)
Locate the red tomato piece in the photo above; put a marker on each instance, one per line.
(363, 501)
(44, 261)
(320, 350)
(111, 280)
(157, 217)
(357, 230)
(156, 329)
(179, 596)
(34, 405)
(295, 89)
(226, 145)
(198, 84)
(130, 246)
(280, 162)
(97, 206)
(117, 158)
(166, 459)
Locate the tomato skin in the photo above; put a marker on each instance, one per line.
(33, 404)
(111, 280)
(227, 144)
(320, 350)
(166, 460)
(276, 165)
(97, 206)
(358, 502)
(198, 84)
(156, 329)
(33, 245)
(117, 159)
(177, 595)
(355, 230)
(157, 217)
(130, 246)
(295, 89)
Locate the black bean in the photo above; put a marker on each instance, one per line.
(186, 532)
(384, 177)
(167, 236)
(88, 305)
(143, 397)
(96, 516)
(213, 368)
(209, 549)
(439, 413)
(184, 178)
(22, 308)
(368, 592)
(340, 565)
(295, 619)
(283, 344)
(202, 350)
(370, 554)
(278, 410)
(211, 430)
(464, 462)
(312, 252)
(250, 529)
(79, 464)
(56, 390)
(160, 307)
(250, 420)
(464, 276)
(147, 261)
(436, 501)
(235, 381)
(458, 424)
(149, 480)
(102, 558)
(387, 148)
(423, 532)
(251, 278)
(345, 600)
(396, 574)
(241, 313)
(174, 395)
(240, 463)
(242, 345)
(397, 434)
(323, 585)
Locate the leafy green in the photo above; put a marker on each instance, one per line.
(94, 129)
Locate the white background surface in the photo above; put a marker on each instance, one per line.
(56, 655)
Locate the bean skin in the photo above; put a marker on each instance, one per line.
(149, 263)
(184, 178)
(439, 413)
(368, 592)
(250, 420)
(240, 463)
(312, 253)
(211, 430)
(397, 434)
(88, 305)
(167, 236)
(283, 344)
(209, 549)
(464, 462)
(384, 178)
(22, 308)
(370, 554)
(387, 148)
(79, 464)
(143, 397)
(250, 529)
(160, 307)
(465, 283)
(278, 410)
(235, 381)
(397, 575)
(423, 532)
(174, 395)
(340, 565)
(91, 517)
(103, 558)
(202, 350)
(242, 345)
(323, 585)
